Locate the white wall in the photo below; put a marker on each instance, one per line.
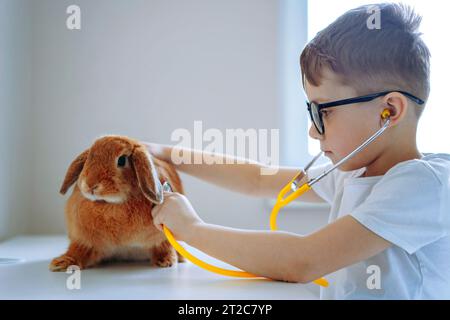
(144, 68)
(15, 120)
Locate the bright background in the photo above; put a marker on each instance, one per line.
(144, 68)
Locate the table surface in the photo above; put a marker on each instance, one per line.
(30, 278)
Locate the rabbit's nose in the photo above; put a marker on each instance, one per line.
(92, 189)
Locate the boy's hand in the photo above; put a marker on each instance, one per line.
(177, 214)
(157, 150)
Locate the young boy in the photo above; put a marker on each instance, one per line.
(390, 212)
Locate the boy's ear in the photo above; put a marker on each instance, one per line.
(398, 106)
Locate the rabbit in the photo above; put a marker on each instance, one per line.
(108, 215)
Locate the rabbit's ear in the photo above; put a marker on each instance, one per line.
(146, 174)
(74, 171)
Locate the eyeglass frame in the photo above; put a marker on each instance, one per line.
(366, 98)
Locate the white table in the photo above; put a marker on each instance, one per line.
(31, 279)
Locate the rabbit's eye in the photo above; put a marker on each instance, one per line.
(122, 161)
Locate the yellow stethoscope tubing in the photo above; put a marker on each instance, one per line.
(209, 267)
(202, 264)
(237, 273)
(281, 201)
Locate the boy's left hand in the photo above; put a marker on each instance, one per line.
(177, 214)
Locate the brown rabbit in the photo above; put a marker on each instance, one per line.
(108, 214)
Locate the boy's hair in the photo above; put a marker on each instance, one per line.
(393, 57)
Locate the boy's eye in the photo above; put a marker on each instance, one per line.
(325, 112)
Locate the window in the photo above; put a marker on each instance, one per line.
(433, 125)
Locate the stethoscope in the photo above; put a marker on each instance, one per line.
(294, 186)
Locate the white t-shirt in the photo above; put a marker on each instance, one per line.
(409, 207)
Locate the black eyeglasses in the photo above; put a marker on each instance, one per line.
(315, 109)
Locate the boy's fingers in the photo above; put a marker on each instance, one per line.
(155, 211)
(168, 193)
(158, 223)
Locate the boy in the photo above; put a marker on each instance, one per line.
(390, 211)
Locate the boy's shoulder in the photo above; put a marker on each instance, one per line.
(432, 166)
(430, 174)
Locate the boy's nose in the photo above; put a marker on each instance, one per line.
(313, 133)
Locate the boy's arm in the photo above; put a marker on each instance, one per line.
(286, 256)
(244, 178)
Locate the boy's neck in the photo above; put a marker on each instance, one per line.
(386, 161)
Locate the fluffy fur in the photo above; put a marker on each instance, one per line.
(108, 214)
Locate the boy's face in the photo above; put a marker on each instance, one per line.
(346, 127)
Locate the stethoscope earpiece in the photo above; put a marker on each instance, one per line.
(385, 114)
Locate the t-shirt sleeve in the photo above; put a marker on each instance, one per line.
(408, 207)
(326, 187)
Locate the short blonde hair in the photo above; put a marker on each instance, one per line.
(393, 57)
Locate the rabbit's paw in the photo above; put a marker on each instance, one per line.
(163, 255)
(62, 263)
(164, 262)
(181, 258)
